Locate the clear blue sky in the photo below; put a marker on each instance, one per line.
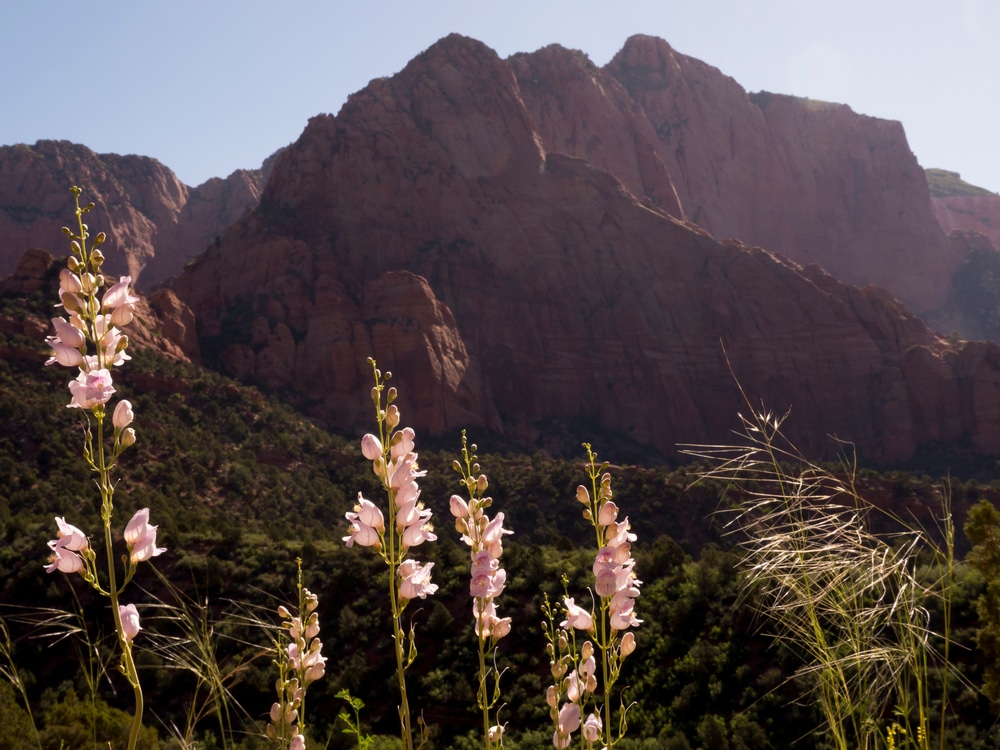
(209, 86)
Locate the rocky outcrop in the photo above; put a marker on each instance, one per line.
(155, 223)
(434, 224)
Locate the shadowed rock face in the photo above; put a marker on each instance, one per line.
(155, 223)
(508, 272)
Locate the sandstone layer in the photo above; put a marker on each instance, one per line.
(509, 272)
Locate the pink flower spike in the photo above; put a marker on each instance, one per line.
(130, 621)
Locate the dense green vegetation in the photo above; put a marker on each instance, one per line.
(242, 485)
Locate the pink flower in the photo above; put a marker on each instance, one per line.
(607, 514)
(63, 354)
(577, 617)
(368, 513)
(120, 302)
(63, 560)
(416, 580)
(419, 531)
(402, 442)
(70, 537)
(624, 618)
(568, 722)
(366, 523)
(592, 728)
(140, 537)
(298, 743)
(130, 621)
(363, 535)
(135, 528)
(628, 644)
(90, 389)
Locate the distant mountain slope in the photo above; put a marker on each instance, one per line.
(435, 224)
(155, 222)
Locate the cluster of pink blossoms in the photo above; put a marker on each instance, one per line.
(485, 537)
(614, 573)
(398, 471)
(617, 587)
(71, 549)
(88, 321)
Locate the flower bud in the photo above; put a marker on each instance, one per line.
(129, 617)
(97, 257)
(482, 483)
(128, 437)
(123, 415)
(371, 447)
(551, 696)
(582, 496)
(99, 239)
(390, 396)
(392, 417)
(628, 644)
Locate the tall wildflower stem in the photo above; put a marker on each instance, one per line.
(89, 339)
(485, 538)
(395, 464)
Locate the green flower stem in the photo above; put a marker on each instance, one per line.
(107, 508)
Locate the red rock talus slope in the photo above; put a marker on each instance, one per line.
(154, 222)
(505, 283)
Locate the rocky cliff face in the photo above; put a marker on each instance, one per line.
(970, 213)
(509, 271)
(154, 222)
(811, 180)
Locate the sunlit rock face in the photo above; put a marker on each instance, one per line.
(154, 222)
(519, 256)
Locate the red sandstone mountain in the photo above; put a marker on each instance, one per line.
(811, 180)
(154, 222)
(507, 237)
